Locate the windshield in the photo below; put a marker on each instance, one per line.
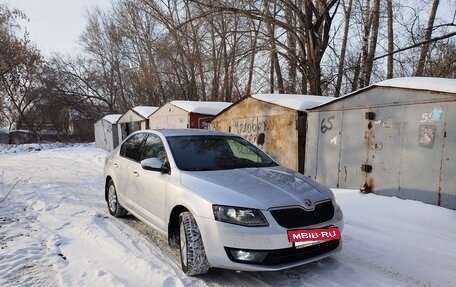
(193, 153)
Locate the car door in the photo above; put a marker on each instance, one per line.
(125, 165)
(151, 185)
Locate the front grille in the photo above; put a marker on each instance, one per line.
(290, 255)
(298, 217)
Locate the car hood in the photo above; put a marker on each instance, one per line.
(260, 188)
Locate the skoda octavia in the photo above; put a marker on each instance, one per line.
(222, 201)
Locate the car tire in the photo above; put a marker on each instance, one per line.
(192, 254)
(114, 207)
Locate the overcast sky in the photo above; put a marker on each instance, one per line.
(55, 25)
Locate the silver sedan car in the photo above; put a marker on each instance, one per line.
(222, 201)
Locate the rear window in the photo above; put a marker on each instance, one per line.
(131, 148)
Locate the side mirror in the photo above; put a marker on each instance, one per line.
(154, 164)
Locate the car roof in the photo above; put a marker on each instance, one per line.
(191, 132)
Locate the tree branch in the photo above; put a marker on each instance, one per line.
(417, 45)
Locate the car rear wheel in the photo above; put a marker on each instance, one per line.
(192, 254)
(114, 207)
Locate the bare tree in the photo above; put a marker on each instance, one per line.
(275, 64)
(311, 33)
(372, 41)
(340, 71)
(137, 29)
(371, 16)
(390, 34)
(20, 65)
(145, 52)
(427, 36)
(290, 19)
(254, 32)
(443, 62)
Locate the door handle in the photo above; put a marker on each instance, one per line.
(116, 165)
(135, 173)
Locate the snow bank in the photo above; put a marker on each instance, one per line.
(34, 147)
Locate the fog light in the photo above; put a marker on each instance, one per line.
(251, 256)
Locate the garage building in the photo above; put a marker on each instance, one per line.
(274, 122)
(134, 119)
(185, 114)
(106, 136)
(395, 138)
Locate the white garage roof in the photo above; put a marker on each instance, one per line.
(295, 102)
(145, 111)
(206, 108)
(112, 118)
(421, 83)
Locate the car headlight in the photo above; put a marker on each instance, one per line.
(239, 215)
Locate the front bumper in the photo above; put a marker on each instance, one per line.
(268, 245)
(281, 256)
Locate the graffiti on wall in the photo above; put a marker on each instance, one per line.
(252, 129)
(436, 115)
(218, 125)
(257, 130)
(426, 136)
(426, 132)
(326, 124)
(203, 122)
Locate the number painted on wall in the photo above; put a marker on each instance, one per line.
(326, 124)
(436, 115)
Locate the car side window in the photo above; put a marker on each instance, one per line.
(131, 148)
(153, 147)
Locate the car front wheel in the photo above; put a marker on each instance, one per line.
(192, 254)
(115, 209)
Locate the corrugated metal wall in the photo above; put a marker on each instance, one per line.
(106, 136)
(395, 142)
(448, 167)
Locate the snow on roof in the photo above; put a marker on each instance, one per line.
(145, 111)
(421, 83)
(295, 102)
(112, 118)
(206, 108)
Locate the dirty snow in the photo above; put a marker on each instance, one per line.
(55, 230)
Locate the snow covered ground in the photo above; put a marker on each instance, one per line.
(55, 230)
